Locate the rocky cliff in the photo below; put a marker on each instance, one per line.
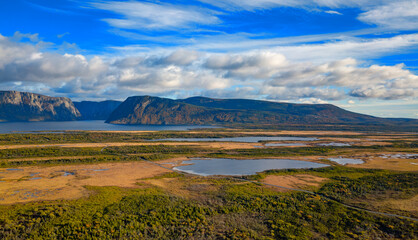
(24, 106)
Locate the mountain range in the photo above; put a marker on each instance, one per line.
(22, 106)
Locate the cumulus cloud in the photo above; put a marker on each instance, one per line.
(255, 74)
(298, 93)
(252, 65)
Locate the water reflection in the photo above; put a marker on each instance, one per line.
(223, 166)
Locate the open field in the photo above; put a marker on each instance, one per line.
(96, 184)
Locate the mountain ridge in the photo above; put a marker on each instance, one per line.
(26, 106)
(202, 110)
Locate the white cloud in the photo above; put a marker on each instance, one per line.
(398, 15)
(254, 74)
(355, 47)
(333, 12)
(334, 46)
(250, 5)
(300, 93)
(140, 15)
(313, 101)
(181, 57)
(252, 65)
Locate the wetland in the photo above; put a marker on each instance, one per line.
(119, 184)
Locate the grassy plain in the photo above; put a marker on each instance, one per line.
(119, 185)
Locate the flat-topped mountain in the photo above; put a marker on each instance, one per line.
(201, 110)
(96, 110)
(155, 110)
(24, 106)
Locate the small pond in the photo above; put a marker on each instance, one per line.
(401, 156)
(344, 161)
(239, 139)
(285, 145)
(335, 144)
(223, 166)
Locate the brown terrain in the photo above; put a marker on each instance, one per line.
(67, 181)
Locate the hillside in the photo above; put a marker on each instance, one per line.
(96, 110)
(24, 106)
(200, 110)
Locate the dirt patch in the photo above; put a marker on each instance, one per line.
(66, 182)
(300, 181)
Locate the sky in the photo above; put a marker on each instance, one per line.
(361, 55)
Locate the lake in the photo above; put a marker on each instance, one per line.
(238, 139)
(234, 167)
(94, 125)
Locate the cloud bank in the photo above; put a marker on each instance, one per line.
(268, 74)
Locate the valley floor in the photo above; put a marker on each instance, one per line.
(122, 185)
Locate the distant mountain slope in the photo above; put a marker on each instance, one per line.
(96, 110)
(154, 110)
(328, 112)
(200, 110)
(24, 106)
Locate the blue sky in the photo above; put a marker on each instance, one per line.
(360, 55)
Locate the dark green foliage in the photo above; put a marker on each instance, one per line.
(273, 152)
(61, 161)
(161, 149)
(68, 137)
(365, 191)
(47, 152)
(234, 211)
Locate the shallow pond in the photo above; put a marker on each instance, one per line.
(335, 144)
(223, 166)
(401, 156)
(344, 161)
(285, 145)
(35, 178)
(238, 139)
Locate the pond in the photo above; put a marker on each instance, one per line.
(344, 161)
(335, 144)
(234, 167)
(95, 125)
(285, 145)
(401, 156)
(238, 139)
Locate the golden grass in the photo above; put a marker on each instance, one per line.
(17, 186)
(300, 181)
